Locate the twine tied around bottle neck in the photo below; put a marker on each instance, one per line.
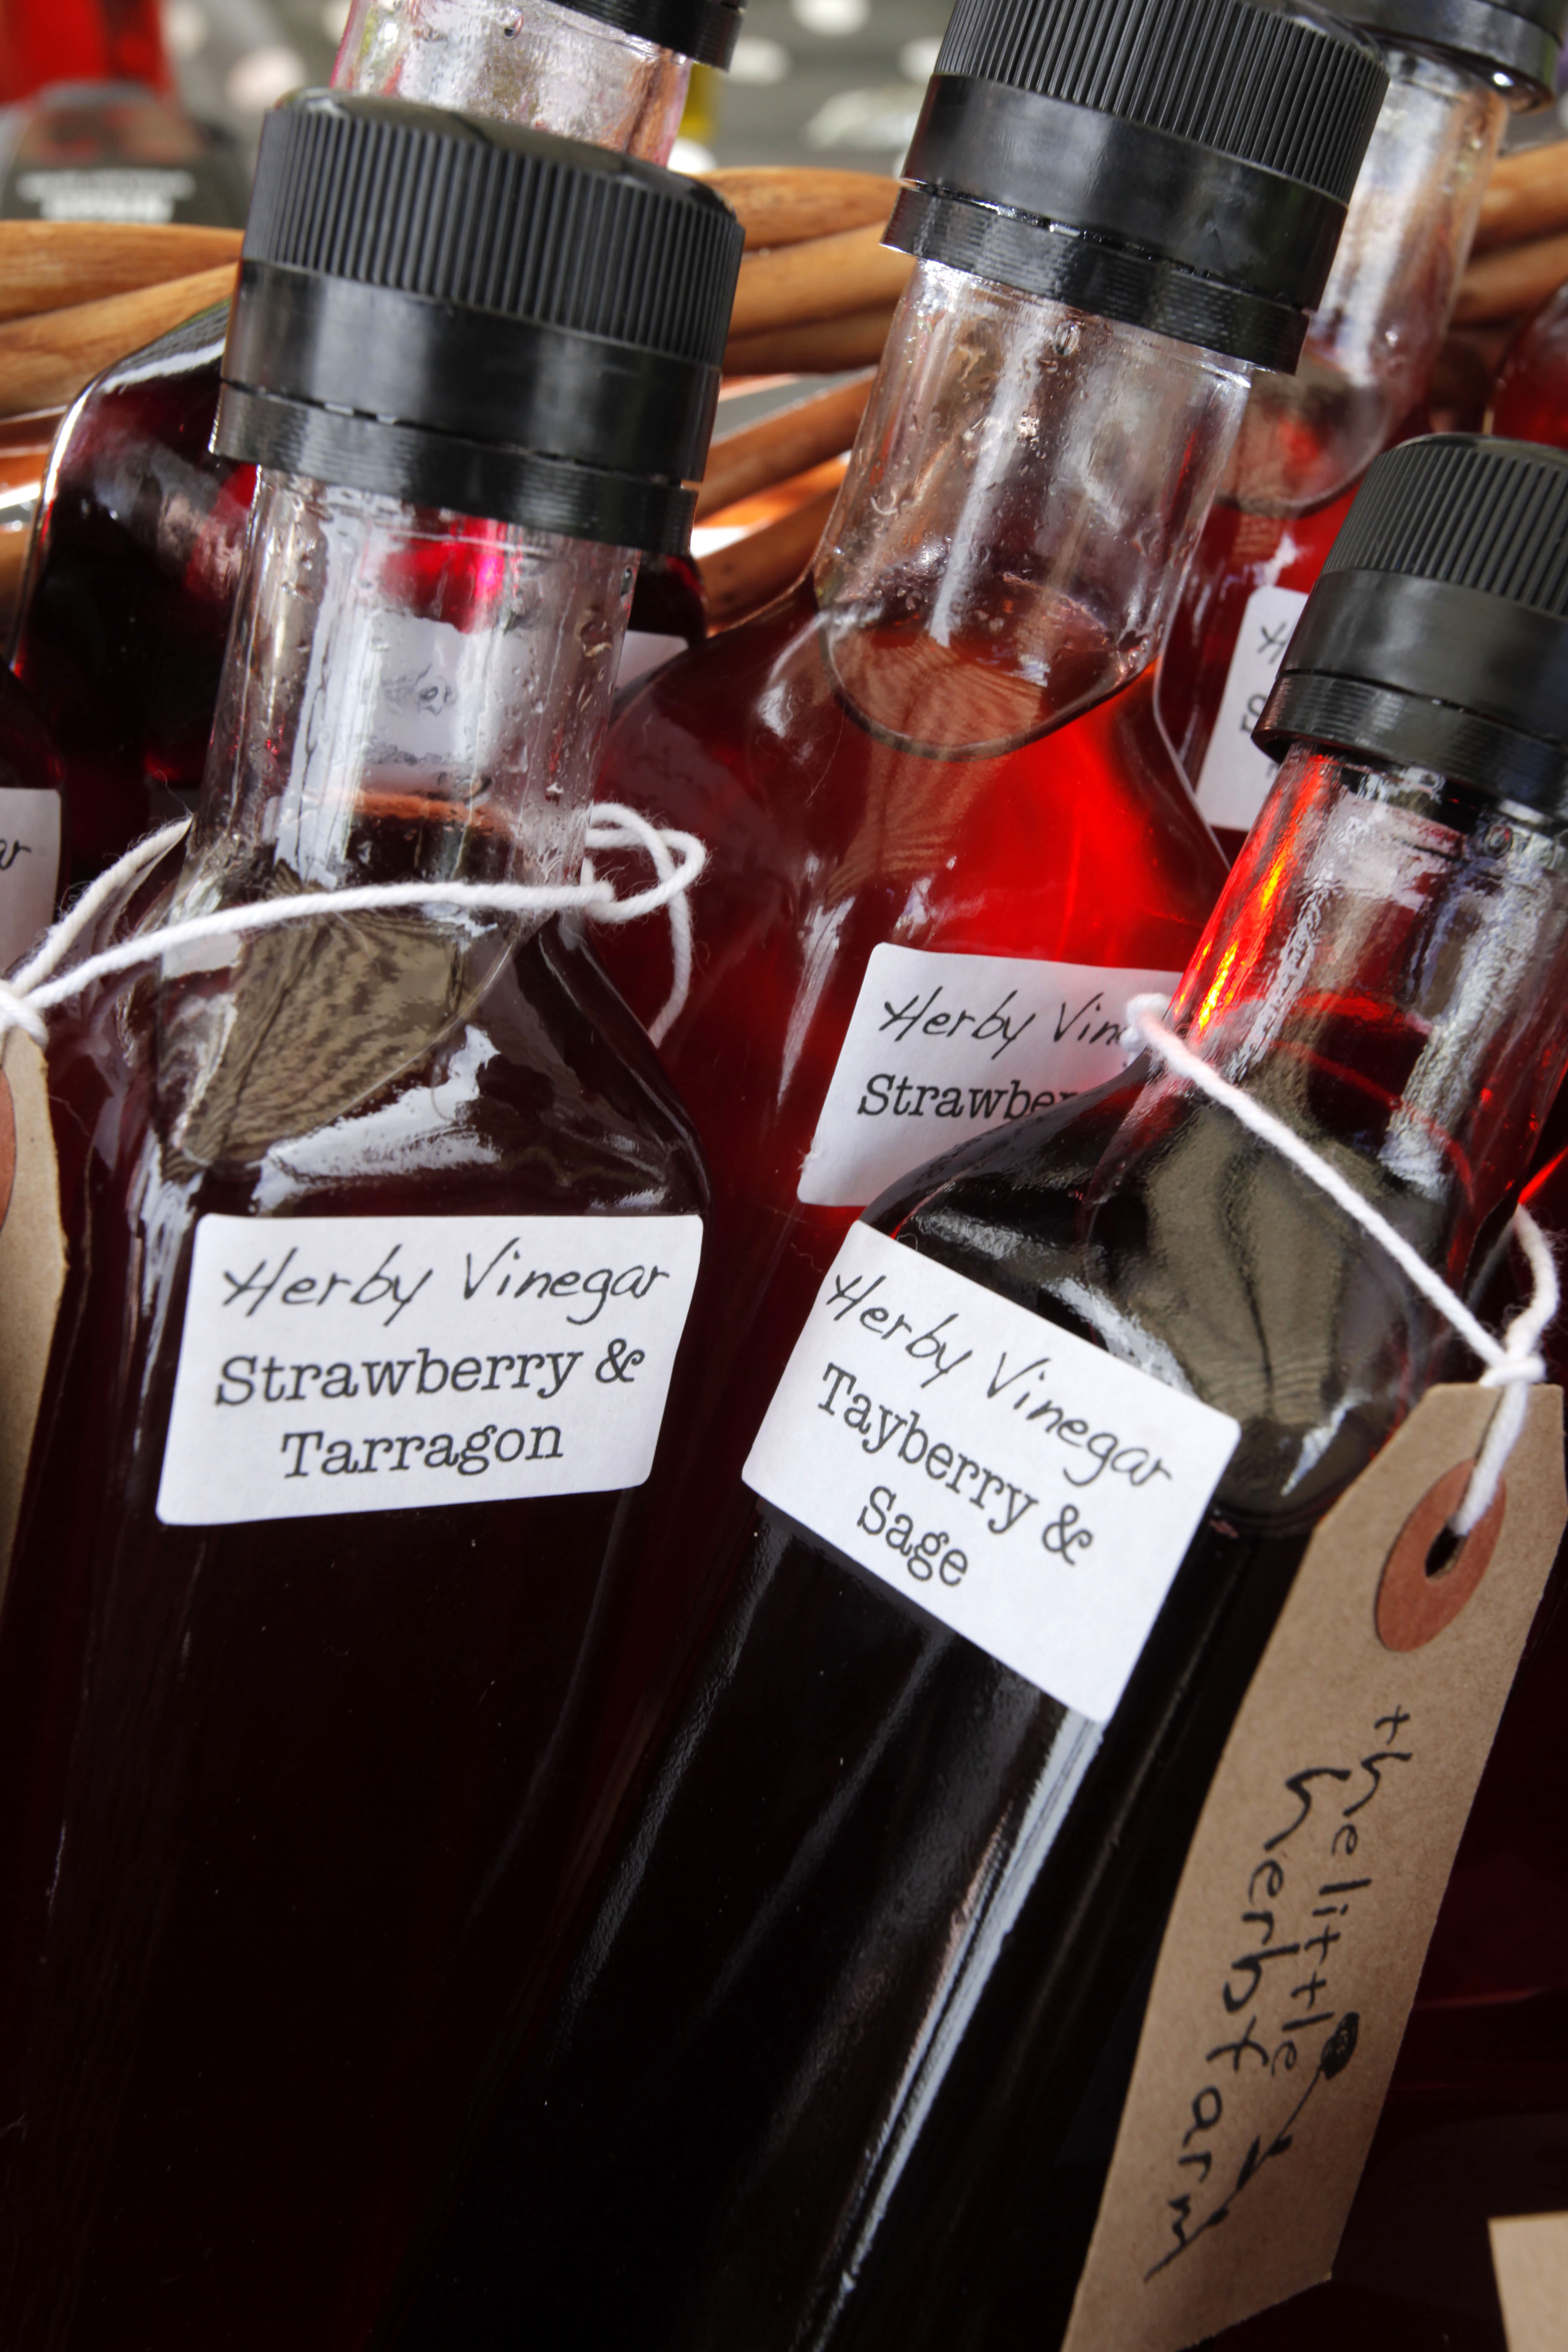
(1513, 1364)
(677, 858)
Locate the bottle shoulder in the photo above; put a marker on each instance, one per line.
(532, 1093)
(1154, 1226)
(1082, 845)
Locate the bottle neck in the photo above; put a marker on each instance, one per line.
(409, 695)
(1374, 337)
(1387, 968)
(1026, 486)
(531, 61)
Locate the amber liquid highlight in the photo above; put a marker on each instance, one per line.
(740, 2103)
(827, 838)
(287, 1807)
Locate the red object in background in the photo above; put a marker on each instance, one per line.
(1532, 401)
(43, 41)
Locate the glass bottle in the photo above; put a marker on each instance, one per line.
(1532, 399)
(131, 575)
(1307, 440)
(851, 2020)
(934, 772)
(292, 1780)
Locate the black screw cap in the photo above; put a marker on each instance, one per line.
(470, 315)
(704, 30)
(1182, 164)
(1437, 633)
(1520, 44)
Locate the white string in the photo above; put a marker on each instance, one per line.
(678, 860)
(615, 827)
(1512, 1363)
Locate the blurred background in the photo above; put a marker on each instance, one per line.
(814, 81)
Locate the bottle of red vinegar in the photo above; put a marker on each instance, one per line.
(132, 578)
(848, 2029)
(1307, 439)
(948, 837)
(381, 1230)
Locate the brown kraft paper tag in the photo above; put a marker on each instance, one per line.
(1530, 2255)
(1293, 1949)
(32, 1264)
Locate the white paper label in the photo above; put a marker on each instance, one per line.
(1027, 1489)
(1236, 776)
(380, 1363)
(642, 652)
(940, 1047)
(29, 867)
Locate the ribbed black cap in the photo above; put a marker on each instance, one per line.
(470, 315)
(704, 30)
(1437, 633)
(1181, 164)
(1521, 43)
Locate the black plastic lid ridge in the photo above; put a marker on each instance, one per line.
(704, 30)
(1182, 164)
(1522, 44)
(466, 314)
(1437, 633)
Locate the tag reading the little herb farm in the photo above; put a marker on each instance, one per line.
(32, 1264)
(30, 867)
(380, 1363)
(1299, 1930)
(1023, 1486)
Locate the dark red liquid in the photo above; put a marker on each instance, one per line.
(287, 1807)
(1531, 398)
(122, 634)
(825, 841)
(132, 581)
(726, 2092)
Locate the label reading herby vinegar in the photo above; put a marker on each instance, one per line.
(1236, 777)
(940, 1047)
(1027, 1488)
(333, 1364)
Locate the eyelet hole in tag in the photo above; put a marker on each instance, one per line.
(1427, 1581)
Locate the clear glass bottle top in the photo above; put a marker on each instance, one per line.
(521, 61)
(1374, 337)
(1027, 485)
